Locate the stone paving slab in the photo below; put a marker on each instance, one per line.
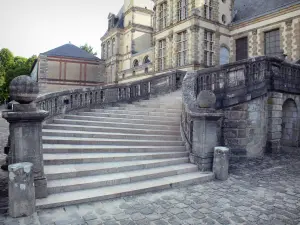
(265, 191)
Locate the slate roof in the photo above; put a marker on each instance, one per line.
(71, 51)
(248, 9)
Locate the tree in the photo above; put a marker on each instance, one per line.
(88, 49)
(11, 67)
(6, 58)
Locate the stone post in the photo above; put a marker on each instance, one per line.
(221, 163)
(21, 190)
(205, 131)
(25, 127)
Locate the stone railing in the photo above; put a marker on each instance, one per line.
(65, 101)
(236, 83)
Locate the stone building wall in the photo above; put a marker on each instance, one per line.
(245, 128)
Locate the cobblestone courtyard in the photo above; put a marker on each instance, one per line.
(258, 192)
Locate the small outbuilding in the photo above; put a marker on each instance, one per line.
(67, 67)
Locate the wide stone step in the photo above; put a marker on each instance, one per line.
(88, 182)
(142, 105)
(102, 193)
(88, 169)
(102, 141)
(88, 134)
(119, 125)
(70, 158)
(56, 148)
(131, 112)
(91, 128)
(121, 120)
(138, 111)
(130, 116)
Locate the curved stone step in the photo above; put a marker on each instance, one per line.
(89, 134)
(121, 120)
(129, 116)
(86, 127)
(139, 111)
(102, 141)
(133, 113)
(112, 124)
(70, 158)
(58, 148)
(88, 169)
(88, 182)
(103, 193)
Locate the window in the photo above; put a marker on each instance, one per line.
(146, 60)
(135, 63)
(126, 49)
(162, 54)
(208, 9)
(113, 46)
(103, 52)
(146, 70)
(108, 49)
(272, 43)
(181, 10)
(162, 15)
(224, 55)
(208, 48)
(241, 48)
(223, 19)
(182, 48)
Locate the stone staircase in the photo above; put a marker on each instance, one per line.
(106, 153)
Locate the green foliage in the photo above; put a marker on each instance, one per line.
(11, 67)
(88, 49)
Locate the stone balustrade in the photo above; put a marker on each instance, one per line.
(65, 101)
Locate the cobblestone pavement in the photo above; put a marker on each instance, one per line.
(258, 192)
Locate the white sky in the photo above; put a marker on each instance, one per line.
(29, 27)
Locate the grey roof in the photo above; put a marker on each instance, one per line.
(70, 51)
(248, 9)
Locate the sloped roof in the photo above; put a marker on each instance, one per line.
(248, 9)
(70, 51)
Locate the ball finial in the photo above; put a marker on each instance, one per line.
(23, 89)
(206, 99)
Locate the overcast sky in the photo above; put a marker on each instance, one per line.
(29, 27)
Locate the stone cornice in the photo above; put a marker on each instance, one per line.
(139, 9)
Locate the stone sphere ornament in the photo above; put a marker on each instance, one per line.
(206, 99)
(23, 89)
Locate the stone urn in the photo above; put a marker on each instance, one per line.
(23, 89)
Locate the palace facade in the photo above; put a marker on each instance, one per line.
(150, 37)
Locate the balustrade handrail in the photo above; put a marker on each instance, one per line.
(68, 100)
(236, 83)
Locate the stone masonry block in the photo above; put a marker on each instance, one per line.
(275, 101)
(275, 128)
(275, 121)
(275, 107)
(275, 114)
(241, 107)
(276, 95)
(230, 133)
(241, 124)
(236, 115)
(274, 135)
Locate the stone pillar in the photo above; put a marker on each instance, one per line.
(21, 190)
(25, 127)
(205, 131)
(221, 163)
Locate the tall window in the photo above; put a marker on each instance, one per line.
(113, 45)
(103, 51)
(272, 42)
(208, 48)
(162, 52)
(162, 15)
(135, 63)
(182, 9)
(182, 48)
(208, 9)
(241, 46)
(224, 55)
(108, 49)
